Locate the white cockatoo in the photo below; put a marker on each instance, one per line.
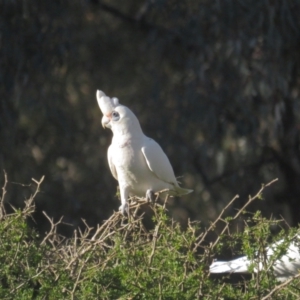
(135, 160)
(284, 266)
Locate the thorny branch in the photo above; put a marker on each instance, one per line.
(240, 211)
(202, 236)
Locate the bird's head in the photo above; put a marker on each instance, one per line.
(119, 118)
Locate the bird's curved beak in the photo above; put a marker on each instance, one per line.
(105, 122)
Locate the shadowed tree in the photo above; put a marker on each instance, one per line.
(216, 83)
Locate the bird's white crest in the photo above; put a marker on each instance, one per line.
(135, 160)
(105, 103)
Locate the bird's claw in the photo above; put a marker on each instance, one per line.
(124, 209)
(150, 197)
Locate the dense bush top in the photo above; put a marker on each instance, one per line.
(122, 260)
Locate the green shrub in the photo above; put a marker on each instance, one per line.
(122, 260)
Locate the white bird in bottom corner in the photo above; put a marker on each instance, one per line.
(284, 266)
(135, 160)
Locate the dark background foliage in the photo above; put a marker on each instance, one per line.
(216, 83)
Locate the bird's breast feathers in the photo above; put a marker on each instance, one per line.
(127, 156)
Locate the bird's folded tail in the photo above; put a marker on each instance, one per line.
(181, 191)
(239, 265)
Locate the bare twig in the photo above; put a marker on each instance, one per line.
(155, 237)
(28, 280)
(240, 211)
(280, 286)
(2, 207)
(29, 202)
(219, 218)
(53, 229)
(212, 226)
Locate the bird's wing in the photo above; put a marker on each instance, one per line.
(284, 266)
(288, 264)
(110, 162)
(239, 265)
(158, 161)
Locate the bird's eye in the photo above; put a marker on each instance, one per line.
(115, 116)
